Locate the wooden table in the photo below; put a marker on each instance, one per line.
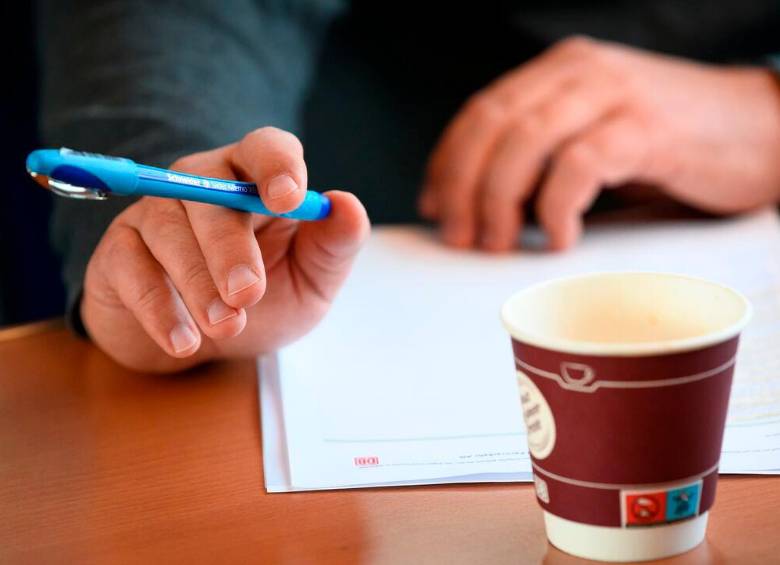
(100, 465)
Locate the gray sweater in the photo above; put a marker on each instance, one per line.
(367, 85)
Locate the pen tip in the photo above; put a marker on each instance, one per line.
(42, 180)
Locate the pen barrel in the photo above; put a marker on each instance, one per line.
(102, 175)
(230, 194)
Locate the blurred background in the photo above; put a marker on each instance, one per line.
(385, 96)
(30, 285)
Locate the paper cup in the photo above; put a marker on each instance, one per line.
(624, 382)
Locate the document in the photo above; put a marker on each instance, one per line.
(410, 378)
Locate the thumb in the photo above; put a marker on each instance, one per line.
(324, 250)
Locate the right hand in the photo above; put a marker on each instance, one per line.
(173, 283)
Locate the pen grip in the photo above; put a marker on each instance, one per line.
(230, 194)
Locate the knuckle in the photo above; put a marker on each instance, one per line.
(578, 156)
(217, 229)
(485, 108)
(593, 52)
(261, 132)
(195, 275)
(567, 109)
(148, 298)
(577, 45)
(118, 241)
(529, 125)
(611, 146)
(167, 216)
(293, 140)
(256, 137)
(267, 133)
(232, 234)
(187, 163)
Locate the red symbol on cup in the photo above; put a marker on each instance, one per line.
(577, 373)
(645, 508)
(366, 461)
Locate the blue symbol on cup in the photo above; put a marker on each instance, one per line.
(682, 502)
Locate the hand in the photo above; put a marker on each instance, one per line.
(176, 283)
(587, 115)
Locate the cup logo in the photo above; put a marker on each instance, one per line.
(660, 506)
(647, 507)
(577, 373)
(539, 421)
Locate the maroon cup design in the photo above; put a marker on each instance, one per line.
(624, 381)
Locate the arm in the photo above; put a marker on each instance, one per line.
(169, 284)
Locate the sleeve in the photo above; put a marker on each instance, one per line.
(774, 62)
(155, 80)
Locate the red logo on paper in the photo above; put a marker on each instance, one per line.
(366, 461)
(645, 508)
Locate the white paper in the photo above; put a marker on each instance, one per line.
(275, 461)
(410, 377)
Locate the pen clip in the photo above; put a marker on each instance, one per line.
(68, 190)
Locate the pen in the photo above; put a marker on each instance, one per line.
(90, 176)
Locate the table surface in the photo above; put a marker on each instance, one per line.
(101, 465)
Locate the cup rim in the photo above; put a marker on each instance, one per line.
(595, 348)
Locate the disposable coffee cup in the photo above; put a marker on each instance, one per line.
(624, 382)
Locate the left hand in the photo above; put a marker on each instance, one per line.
(587, 115)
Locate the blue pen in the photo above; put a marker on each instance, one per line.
(90, 176)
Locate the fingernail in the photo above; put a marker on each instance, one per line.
(241, 277)
(281, 186)
(218, 312)
(183, 338)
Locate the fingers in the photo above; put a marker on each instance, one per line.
(232, 256)
(493, 153)
(324, 250)
(517, 163)
(166, 231)
(142, 286)
(611, 153)
(481, 117)
(187, 271)
(226, 237)
(455, 166)
(541, 76)
(272, 159)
